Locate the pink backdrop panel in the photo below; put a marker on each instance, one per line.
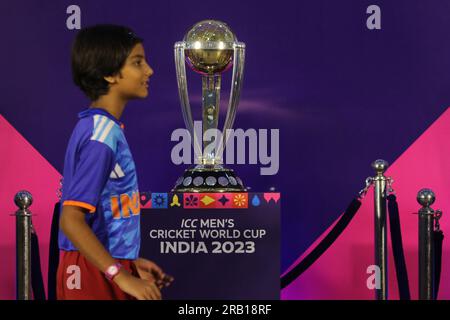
(22, 167)
(341, 273)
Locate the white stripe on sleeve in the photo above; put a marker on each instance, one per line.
(99, 128)
(106, 131)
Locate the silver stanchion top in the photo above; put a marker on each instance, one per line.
(426, 197)
(23, 199)
(380, 166)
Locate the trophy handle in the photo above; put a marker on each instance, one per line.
(236, 84)
(183, 94)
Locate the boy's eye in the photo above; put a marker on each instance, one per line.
(138, 63)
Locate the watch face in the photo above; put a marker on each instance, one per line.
(112, 270)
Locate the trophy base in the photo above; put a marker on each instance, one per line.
(209, 178)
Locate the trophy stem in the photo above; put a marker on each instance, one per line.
(210, 112)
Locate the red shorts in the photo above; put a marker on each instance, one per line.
(78, 279)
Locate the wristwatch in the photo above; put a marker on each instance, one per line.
(112, 271)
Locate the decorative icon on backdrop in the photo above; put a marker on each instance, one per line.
(191, 201)
(207, 201)
(255, 201)
(241, 200)
(223, 200)
(145, 200)
(272, 196)
(175, 201)
(159, 200)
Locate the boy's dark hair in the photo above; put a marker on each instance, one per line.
(100, 51)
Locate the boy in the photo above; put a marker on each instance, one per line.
(99, 234)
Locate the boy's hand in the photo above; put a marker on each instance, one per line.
(149, 270)
(141, 289)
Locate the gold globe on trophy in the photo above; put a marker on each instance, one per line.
(210, 48)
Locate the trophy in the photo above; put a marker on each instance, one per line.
(209, 48)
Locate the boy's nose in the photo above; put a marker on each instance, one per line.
(149, 71)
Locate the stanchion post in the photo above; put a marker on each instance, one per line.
(426, 198)
(23, 200)
(380, 181)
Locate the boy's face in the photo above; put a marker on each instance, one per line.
(132, 81)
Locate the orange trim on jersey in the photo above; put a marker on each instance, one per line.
(122, 126)
(84, 205)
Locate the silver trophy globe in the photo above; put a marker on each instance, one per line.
(209, 48)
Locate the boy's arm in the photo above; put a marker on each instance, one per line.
(74, 226)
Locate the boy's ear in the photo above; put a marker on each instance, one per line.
(113, 79)
(110, 79)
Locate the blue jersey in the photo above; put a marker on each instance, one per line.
(100, 175)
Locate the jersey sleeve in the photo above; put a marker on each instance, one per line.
(92, 171)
